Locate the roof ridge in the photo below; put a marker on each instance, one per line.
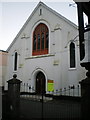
(58, 14)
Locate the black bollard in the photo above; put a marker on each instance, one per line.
(14, 98)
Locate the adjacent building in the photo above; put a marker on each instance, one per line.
(3, 67)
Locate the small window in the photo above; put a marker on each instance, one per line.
(40, 12)
(15, 61)
(72, 55)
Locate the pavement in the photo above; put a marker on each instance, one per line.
(36, 98)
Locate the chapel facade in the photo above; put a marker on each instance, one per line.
(45, 52)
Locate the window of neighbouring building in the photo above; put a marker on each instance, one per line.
(40, 40)
(72, 55)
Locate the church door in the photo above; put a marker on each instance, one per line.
(40, 83)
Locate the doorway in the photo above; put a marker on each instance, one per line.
(40, 83)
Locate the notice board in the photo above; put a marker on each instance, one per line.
(50, 85)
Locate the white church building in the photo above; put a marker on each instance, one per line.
(45, 52)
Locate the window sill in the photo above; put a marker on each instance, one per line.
(14, 72)
(40, 56)
(72, 69)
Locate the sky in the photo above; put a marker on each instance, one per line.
(13, 15)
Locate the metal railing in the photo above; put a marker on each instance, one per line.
(67, 91)
(74, 90)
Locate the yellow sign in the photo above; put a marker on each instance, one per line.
(50, 85)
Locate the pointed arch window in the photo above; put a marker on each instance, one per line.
(72, 55)
(40, 40)
(15, 61)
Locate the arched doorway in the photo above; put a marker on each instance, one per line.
(40, 83)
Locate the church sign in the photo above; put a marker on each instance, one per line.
(50, 85)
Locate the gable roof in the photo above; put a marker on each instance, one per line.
(51, 10)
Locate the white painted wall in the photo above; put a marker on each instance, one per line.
(55, 65)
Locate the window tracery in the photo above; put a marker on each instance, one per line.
(40, 40)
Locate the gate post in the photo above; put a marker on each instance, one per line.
(14, 97)
(85, 93)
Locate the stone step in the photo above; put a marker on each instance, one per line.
(36, 97)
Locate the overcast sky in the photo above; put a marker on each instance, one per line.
(14, 14)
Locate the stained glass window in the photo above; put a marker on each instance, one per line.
(40, 40)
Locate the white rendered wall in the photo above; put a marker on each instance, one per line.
(55, 65)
